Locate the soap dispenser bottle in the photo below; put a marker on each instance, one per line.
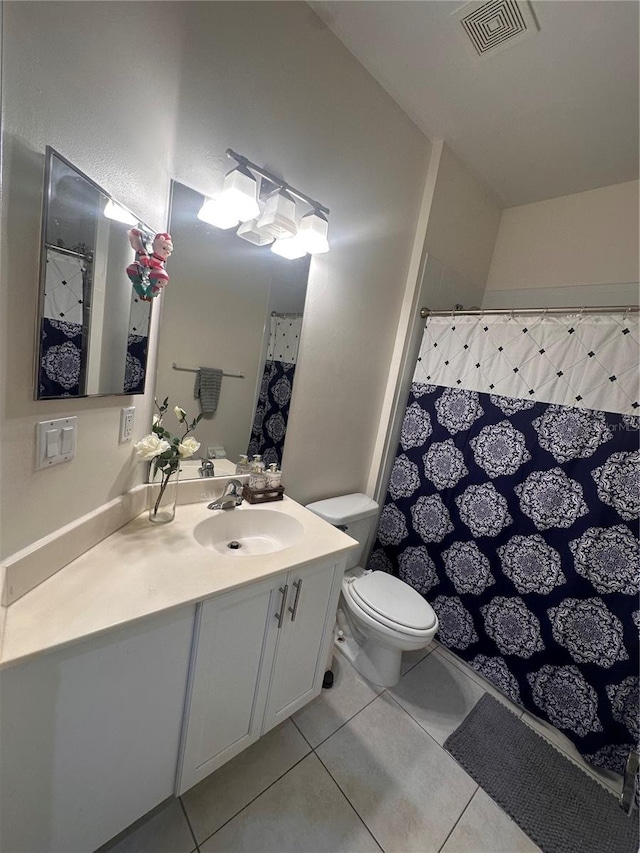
(257, 477)
(274, 477)
(243, 466)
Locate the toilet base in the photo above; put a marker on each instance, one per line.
(378, 665)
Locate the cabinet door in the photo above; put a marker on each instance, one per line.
(303, 640)
(232, 649)
(89, 735)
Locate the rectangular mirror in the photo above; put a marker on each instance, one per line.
(93, 329)
(238, 308)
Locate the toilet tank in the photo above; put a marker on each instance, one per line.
(356, 514)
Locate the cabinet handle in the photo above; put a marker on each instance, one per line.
(293, 610)
(280, 616)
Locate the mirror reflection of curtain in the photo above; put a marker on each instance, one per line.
(63, 329)
(137, 346)
(272, 411)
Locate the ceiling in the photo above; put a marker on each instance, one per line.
(554, 114)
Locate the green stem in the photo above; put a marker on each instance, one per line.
(163, 486)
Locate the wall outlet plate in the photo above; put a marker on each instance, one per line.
(127, 421)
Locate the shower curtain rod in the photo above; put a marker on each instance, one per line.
(425, 313)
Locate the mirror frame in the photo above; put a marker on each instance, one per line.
(50, 152)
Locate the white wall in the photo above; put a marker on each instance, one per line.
(463, 223)
(110, 85)
(99, 82)
(588, 240)
(270, 81)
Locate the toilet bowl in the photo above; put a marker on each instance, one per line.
(384, 617)
(380, 616)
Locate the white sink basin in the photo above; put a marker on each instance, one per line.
(248, 532)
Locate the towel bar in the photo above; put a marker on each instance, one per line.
(191, 369)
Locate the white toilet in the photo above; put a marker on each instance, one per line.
(380, 616)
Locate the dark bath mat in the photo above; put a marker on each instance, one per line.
(558, 805)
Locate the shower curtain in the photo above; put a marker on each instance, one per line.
(513, 508)
(272, 411)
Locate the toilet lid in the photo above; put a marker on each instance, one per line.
(383, 595)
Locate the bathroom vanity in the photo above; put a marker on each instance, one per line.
(150, 661)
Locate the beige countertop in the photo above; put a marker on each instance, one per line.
(143, 569)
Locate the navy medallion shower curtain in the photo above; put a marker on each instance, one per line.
(272, 412)
(513, 507)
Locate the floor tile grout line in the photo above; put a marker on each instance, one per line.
(246, 805)
(414, 665)
(186, 817)
(344, 723)
(355, 811)
(418, 723)
(302, 734)
(459, 818)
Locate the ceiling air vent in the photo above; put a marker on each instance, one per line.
(496, 24)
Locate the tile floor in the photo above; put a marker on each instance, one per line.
(358, 769)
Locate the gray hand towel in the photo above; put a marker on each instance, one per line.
(208, 381)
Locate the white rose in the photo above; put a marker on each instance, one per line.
(179, 413)
(188, 447)
(156, 419)
(151, 446)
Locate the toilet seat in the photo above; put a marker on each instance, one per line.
(389, 601)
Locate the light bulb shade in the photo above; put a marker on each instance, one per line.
(119, 214)
(249, 232)
(213, 213)
(312, 233)
(289, 248)
(278, 220)
(239, 196)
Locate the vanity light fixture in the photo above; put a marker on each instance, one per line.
(279, 217)
(312, 233)
(239, 194)
(213, 213)
(266, 211)
(119, 214)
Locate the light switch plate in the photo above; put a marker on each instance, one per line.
(127, 420)
(56, 441)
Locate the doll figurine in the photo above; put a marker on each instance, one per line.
(147, 272)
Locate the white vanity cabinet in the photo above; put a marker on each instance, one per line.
(89, 735)
(259, 655)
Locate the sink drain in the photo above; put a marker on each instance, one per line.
(234, 545)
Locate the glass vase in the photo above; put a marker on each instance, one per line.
(163, 497)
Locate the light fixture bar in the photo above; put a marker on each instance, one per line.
(239, 158)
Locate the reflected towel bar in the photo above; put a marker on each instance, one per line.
(190, 369)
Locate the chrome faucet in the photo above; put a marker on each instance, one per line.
(206, 468)
(231, 498)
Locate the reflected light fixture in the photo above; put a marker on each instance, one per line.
(312, 233)
(213, 213)
(249, 232)
(289, 248)
(112, 210)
